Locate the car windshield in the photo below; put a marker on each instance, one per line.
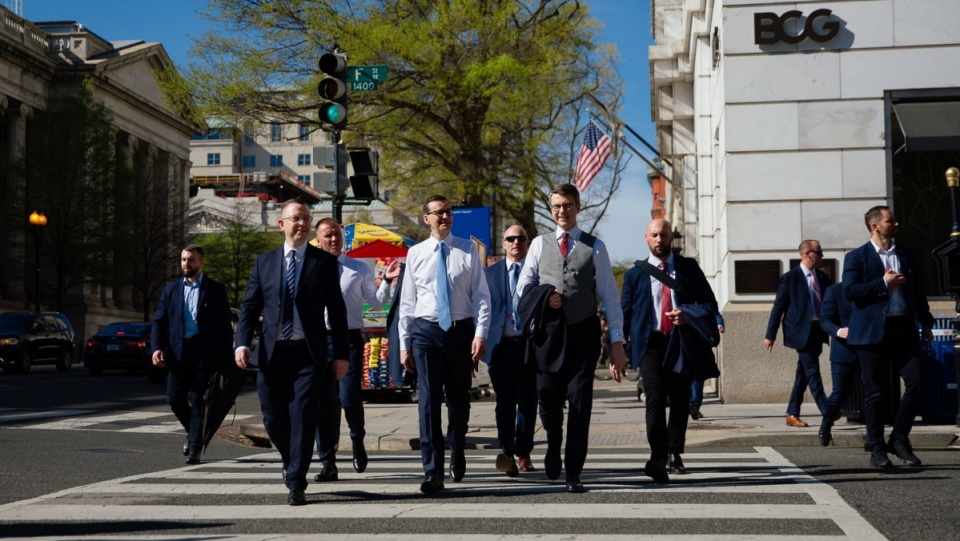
(124, 329)
(15, 322)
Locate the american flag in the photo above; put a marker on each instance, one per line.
(593, 154)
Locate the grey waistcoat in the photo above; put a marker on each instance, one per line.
(573, 276)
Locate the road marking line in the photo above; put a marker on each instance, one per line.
(83, 422)
(46, 414)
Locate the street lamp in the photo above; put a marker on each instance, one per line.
(38, 221)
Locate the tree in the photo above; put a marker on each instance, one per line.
(482, 97)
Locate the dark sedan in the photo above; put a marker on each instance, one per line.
(28, 338)
(119, 346)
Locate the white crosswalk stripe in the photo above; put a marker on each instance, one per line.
(146, 422)
(388, 490)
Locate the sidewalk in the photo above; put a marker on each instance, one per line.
(618, 423)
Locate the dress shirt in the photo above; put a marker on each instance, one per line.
(656, 287)
(511, 329)
(301, 253)
(897, 305)
(191, 292)
(606, 285)
(813, 302)
(469, 295)
(358, 284)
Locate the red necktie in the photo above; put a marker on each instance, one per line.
(563, 244)
(666, 304)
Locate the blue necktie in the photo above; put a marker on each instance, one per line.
(443, 289)
(514, 278)
(286, 330)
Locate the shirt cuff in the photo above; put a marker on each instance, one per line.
(616, 335)
(481, 332)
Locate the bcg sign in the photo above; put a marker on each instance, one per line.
(768, 28)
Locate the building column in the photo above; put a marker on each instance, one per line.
(15, 246)
(122, 279)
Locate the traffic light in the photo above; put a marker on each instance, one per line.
(365, 178)
(333, 90)
(332, 177)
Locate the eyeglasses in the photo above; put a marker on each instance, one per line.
(564, 206)
(297, 219)
(441, 212)
(515, 238)
(817, 252)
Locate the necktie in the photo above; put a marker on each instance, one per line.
(286, 329)
(666, 304)
(817, 299)
(443, 289)
(563, 244)
(514, 278)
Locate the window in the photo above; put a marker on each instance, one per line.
(213, 158)
(276, 160)
(304, 179)
(304, 132)
(249, 161)
(303, 159)
(276, 133)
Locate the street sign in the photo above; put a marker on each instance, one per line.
(362, 86)
(362, 74)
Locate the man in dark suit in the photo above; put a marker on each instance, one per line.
(292, 286)
(650, 310)
(798, 304)
(835, 321)
(882, 281)
(514, 380)
(191, 334)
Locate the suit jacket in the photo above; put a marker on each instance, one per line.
(636, 301)
(690, 346)
(545, 329)
(213, 320)
(393, 336)
(864, 287)
(318, 289)
(501, 300)
(834, 316)
(793, 306)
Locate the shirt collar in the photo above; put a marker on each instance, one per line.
(301, 250)
(893, 247)
(655, 261)
(574, 232)
(510, 263)
(186, 283)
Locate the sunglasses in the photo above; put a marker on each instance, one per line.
(818, 252)
(515, 238)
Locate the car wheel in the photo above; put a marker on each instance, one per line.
(26, 361)
(94, 369)
(65, 362)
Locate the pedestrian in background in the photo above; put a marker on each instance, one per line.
(835, 321)
(191, 335)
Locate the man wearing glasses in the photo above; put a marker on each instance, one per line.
(514, 381)
(444, 317)
(577, 266)
(797, 304)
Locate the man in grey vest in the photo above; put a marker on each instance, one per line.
(577, 266)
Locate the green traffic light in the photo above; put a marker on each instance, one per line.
(333, 114)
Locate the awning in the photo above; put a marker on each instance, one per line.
(929, 126)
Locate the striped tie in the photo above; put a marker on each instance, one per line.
(443, 290)
(286, 330)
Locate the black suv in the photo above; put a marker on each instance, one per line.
(28, 338)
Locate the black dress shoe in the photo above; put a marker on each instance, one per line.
(574, 485)
(433, 482)
(193, 458)
(879, 458)
(552, 463)
(328, 474)
(656, 471)
(359, 457)
(458, 466)
(676, 464)
(825, 425)
(186, 449)
(904, 451)
(296, 497)
(507, 465)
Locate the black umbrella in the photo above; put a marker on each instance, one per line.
(225, 383)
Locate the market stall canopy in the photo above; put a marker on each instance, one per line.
(360, 234)
(378, 249)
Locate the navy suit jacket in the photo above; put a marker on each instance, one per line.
(501, 299)
(213, 320)
(834, 316)
(793, 306)
(636, 301)
(318, 289)
(864, 287)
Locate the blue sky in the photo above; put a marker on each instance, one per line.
(626, 24)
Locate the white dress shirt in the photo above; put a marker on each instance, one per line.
(301, 251)
(656, 287)
(897, 305)
(358, 284)
(469, 295)
(606, 284)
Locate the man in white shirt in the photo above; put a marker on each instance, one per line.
(444, 317)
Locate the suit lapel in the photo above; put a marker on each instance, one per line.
(309, 266)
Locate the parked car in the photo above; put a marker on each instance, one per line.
(119, 346)
(28, 338)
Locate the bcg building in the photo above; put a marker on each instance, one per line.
(779, 121)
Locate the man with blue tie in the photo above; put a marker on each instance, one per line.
(443, 323)
(882, 282)
(835, 321)
(191, 335)
(797, 304)
(514, 380)
(294, 287)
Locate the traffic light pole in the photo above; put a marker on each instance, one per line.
(338, 191)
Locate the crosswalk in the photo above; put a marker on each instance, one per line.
(754, 493)
(145, 422)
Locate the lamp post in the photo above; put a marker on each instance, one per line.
(38, 221)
